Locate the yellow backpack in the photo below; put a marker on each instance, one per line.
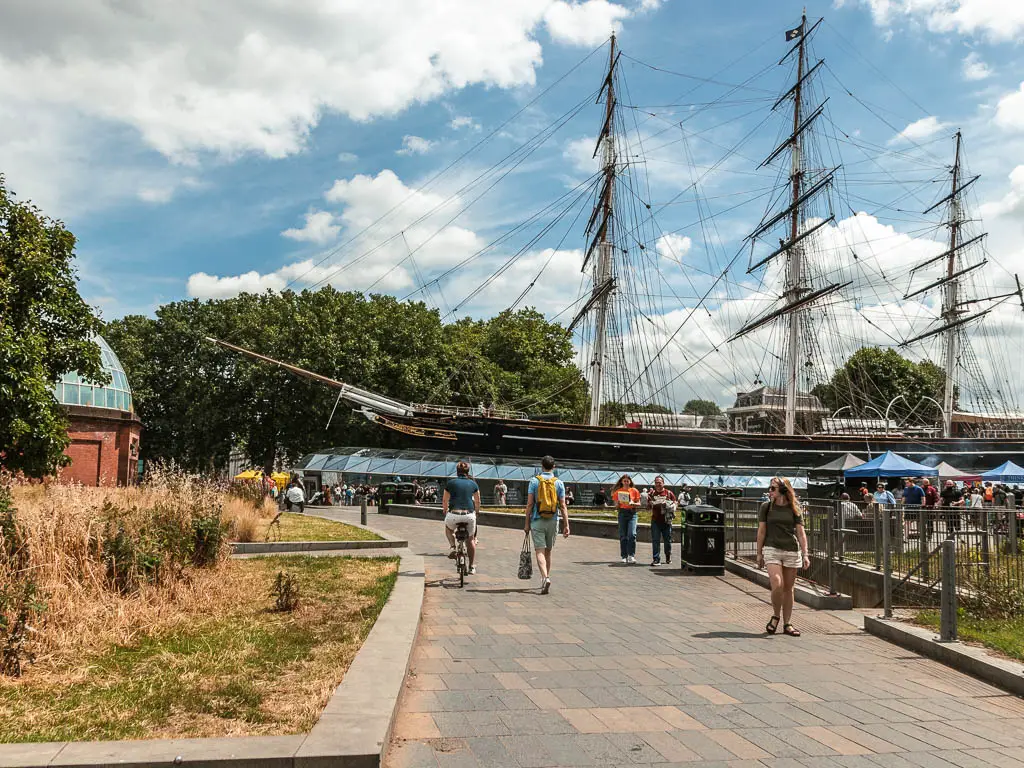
(547, 496)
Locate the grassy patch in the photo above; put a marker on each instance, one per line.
(236, 668)
(296, 527)
(1003, 635)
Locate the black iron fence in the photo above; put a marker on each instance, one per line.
(904, 544)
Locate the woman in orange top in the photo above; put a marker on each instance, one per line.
(627, 499)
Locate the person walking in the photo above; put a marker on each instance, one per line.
(545, 500)
(627, 499)
(952, 500)
(460, 503)
(662, 503)
(294, 497)
(782, 549)
(600, 498)
(931, 504)
(500, 493)
(913, 500)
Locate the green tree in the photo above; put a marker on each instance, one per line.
(199, 401)
(699, 407)
(613, 413)
(872, 378)
(46, 330)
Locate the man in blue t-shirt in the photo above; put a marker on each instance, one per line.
(460, 503)
(913, 494)
(542, 525)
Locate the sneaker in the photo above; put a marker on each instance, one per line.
(451, 553)
(630, 559)
(625, 560)
(655, 563)
(472, 570)
(668, 561)
(546, 588)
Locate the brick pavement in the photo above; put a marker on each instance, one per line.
(632, 666)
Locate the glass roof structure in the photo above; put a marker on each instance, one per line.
(72, 389)
(387, 463)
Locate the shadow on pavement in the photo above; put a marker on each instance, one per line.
(719, 635)
(605, 563)
(507, 591)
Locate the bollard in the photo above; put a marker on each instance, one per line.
(735, 529)
(947, 620)
(886, 561)
(922, 540)
(876, 520)
(830, 548)
(362, 510)
(986, 554)
(1011, 529)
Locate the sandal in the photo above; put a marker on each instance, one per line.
(789, 629)
(772, 625)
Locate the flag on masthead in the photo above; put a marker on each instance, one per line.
(793, 34)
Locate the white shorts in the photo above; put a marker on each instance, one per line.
(784, 557)
(453, 518)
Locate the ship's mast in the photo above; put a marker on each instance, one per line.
(794, 263)
(603, 277)
(950, 311)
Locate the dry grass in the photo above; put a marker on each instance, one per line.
(229, 666)
(65, 529)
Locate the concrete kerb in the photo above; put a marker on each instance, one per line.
(971, 660)
(352, 732)
(803, 595)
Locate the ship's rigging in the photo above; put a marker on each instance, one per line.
(665, 312)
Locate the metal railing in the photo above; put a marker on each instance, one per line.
(453, 410)
(903, 543)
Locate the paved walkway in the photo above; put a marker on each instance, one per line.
(629, 665)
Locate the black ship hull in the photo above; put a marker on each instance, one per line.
(692, 450)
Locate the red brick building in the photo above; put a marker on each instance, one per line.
(104, 429)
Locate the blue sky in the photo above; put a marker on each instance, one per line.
(198, 152)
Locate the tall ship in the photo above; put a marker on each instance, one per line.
(819, 282)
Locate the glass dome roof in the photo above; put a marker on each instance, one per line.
(72, 389)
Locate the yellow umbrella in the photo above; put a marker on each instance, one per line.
(249, 474)
(281, 479)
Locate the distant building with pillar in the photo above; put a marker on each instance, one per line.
(103, 427)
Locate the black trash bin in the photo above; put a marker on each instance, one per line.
(386, 493)
(704, 540)
(405, 494)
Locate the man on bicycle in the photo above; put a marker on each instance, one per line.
(460, 503)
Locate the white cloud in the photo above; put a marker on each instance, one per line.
(998, 20)
(586, 23)
(191, 79)
(919, 130)
(974, 68)
(1010, 110)
(1012, 203)
(381, 222)
(650, 5)
(673, 247)
(414, 145)
(156, 194)
(347, 157)
(319, 228)
(464, 121)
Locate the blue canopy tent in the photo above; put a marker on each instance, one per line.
(890, 464)
(1005, 473)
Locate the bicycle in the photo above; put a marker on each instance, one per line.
(461, 551)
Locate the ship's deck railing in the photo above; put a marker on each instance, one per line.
(454, 410)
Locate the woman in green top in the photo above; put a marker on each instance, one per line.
(782, 547)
